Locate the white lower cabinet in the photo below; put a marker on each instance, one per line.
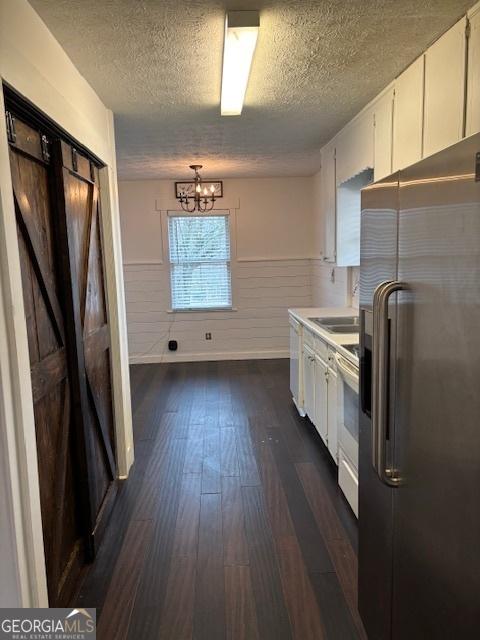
(324, 399)
(314, 383)
(332, 414)
(295, 364)
(308, 366)
(321, 398)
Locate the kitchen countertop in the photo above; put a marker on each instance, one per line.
(334, 339)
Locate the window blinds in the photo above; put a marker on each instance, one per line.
(200, 262)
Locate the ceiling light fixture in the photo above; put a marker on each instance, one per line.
(202, 199)
(241, 32)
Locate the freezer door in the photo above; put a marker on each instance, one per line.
(378, 237)
(379, 222)
(436, 568)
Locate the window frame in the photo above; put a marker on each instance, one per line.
(231, 228)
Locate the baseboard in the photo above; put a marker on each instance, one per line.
(205, 357)
(300, 410)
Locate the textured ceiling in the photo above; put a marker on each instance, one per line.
(157, 65)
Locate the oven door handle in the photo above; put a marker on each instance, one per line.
(348, 371)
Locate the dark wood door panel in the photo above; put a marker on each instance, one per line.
(57, 206)
(48, 359)
(81, 205)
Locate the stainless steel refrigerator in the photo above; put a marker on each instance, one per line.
(419, 465)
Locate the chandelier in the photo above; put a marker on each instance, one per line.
(202, 199)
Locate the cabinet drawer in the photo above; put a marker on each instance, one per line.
(321, 348)
(308, 338)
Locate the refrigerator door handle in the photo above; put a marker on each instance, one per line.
(380, 379)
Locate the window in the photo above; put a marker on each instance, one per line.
(200, 262)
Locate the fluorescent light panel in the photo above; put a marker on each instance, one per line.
(241, 33)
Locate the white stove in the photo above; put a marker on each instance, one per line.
(347, 424)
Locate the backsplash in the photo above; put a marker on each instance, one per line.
(334, 286)
(355, 286)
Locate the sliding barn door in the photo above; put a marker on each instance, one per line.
(59, 457)
(80, 213)
(57, 204)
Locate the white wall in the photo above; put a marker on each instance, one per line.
(272, 244)
(33, 63)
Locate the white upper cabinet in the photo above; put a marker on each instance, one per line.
(382, 138)
(445, 90)
(424, 111)
(408, 116)
(355, 147)
(328, 201)
(473, 79)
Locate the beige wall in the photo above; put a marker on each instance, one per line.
(34, 64)
(272, 245)
(274, 217)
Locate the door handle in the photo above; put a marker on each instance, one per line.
(380, 379)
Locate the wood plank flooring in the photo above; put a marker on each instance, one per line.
(231, 525)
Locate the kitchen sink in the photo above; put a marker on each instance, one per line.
(343, 328)
(342, 324)
(337, 320)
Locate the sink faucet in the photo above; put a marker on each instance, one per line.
(355, 288)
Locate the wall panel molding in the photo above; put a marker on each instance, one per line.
(258, 327)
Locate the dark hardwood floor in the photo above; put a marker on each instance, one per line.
(231, 524)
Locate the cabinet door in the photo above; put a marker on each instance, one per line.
(382, 144)
(408, 116)
(473, 80)
(332, 415)
(321, 398)
(308, 383)
(445, 90)
(329, 204)
(294, 361)
(354, 147)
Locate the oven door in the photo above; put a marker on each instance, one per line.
(347, 409)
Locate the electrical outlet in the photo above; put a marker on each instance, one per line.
(208, 336)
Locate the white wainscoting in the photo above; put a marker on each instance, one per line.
(257, 328)
(328, 290)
